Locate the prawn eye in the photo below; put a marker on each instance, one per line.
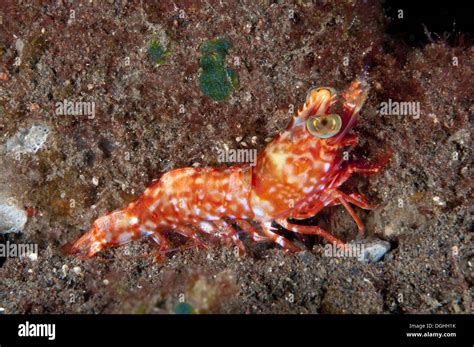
(324, 126)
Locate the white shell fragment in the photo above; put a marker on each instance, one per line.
(374, 250)
(28, 140)
(12, 218)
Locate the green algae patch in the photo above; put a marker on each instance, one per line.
(216, 80)
(157, 53)
(184, 308)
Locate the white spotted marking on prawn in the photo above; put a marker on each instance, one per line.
(286, 181)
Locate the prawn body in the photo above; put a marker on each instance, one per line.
(295, 176)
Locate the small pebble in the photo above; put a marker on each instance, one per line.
(95, 181)
(388, 230)
(19, 44)
(374, 250)
(438, 201)
(106, 282)
(247, 97)
(77, 270)
(65, 270)
(34, 107)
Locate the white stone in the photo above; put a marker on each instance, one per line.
(12, 218)
(27, 140)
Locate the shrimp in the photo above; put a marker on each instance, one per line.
(295, 176)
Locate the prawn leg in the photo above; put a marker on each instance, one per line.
(287, 245)
(311, 230)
